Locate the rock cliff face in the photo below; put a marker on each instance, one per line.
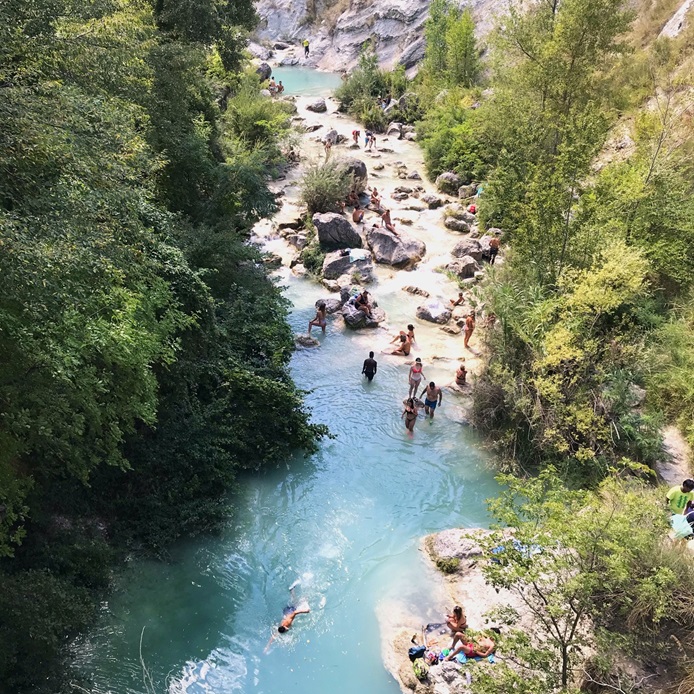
(337, 29)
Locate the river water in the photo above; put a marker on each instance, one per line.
(346, 521)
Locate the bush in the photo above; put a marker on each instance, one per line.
(323, 186)
(312, 256)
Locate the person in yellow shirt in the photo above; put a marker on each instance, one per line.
(679, 499)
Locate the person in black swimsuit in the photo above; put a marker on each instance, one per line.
(362, 303)
(370, 367)
(410, 415)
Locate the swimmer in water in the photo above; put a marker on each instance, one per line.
(288, 614)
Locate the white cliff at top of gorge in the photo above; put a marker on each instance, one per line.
(336, 35)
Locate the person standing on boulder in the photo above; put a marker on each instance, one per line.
(370, 367)
(433, 398)
(305, 48)
(493, 250)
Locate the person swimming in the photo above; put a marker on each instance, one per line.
(289, 613)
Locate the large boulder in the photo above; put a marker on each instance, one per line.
(448, 182)
(358, 169)
(464, 267)
(356, 319)
(331, 136)
(434, 311)
(334, 231)
(413, 54)
(465, 192)
(264, 71)
(289, 60)
(337, 264)
(400, 251)
(332, 305)
(431, 201)
(469, 247)
(258, 51)
(318, 106)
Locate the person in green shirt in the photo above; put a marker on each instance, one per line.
(680, 498)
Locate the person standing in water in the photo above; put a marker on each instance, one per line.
(320, 319)
(305, 48)
(416, 376)
(410, 415)
(370, 367)
(433, 398)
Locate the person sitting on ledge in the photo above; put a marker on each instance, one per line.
(362, 303)
(457, 302)
(461, 375)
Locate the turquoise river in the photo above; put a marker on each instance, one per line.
(347, 521)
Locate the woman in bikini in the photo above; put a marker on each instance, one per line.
(387, 222)
(410, 415)
(456, 622)
(320, 318)
(461, 375)
(416, 376)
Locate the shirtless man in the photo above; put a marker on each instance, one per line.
(469, 328)
(357, 215)
(387, 222)
(288, 614)
(375, 199)
(493, 250)
(457, 302)
(433, 398)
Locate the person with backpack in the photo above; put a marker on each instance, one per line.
(305, 48)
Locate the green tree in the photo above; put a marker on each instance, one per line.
(436, 34)
(462, 57)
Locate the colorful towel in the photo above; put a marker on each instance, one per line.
(462, 658)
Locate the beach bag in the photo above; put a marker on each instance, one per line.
(431, 658)
(416, 652)
(681, 526)
(420, 669)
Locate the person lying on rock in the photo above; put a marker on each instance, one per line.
(362, 303)
(387, 222)
(483, 648)
(459, 301)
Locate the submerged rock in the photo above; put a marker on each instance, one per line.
(306, 341)
(415, 290)
(434, 312)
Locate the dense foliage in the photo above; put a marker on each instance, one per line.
(144, 349)
(593, 571)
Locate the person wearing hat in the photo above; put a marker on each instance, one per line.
(679, 499)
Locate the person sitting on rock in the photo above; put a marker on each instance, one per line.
(375, 198)
(387, 222)
(457, 302)
(357, 214)
(461, 375)
(353, 199)
(457, 621)
(362, 303)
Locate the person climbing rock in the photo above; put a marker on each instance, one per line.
(305, 48)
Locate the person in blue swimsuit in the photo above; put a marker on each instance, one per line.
(433, 398)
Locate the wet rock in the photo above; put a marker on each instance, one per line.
(448, 182)
(264, 71)
(400, 251)
(463, 268)
(469, 247)
(332, 305)
(299, 241)
(335, 231)
(358, 169)
(356, 319)
(434, 311)
(415, 208)
(306, 341)
(431, 201)
(337, 264)
(456, 224)
(451, 329)
(410, 289)
(465, 192)
(272, 261)
(318, 106)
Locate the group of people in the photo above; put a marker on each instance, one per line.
(369, 139)
(462, 643)
(275, 88)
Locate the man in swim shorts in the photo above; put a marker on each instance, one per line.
(433, 398)
(288, 614)
(370, 367)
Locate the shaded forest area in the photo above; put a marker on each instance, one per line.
(144, 350)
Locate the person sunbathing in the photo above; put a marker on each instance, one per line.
(387, 222)
(483, 648)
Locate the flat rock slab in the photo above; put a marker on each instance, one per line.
(434, 312)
